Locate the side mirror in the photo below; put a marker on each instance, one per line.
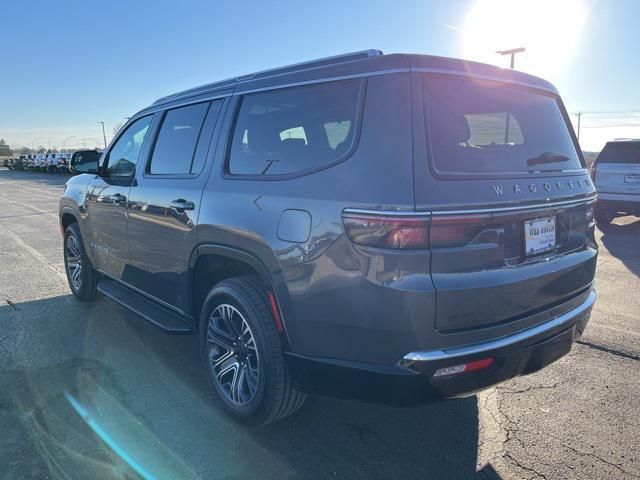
(83, 163)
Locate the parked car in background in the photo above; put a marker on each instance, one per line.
(427, 239)
(62, 164)
(50, 163)
(26, 162)
(616, 173)
(36, 161)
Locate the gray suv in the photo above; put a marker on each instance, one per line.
(380, 228)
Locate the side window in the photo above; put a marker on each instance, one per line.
(294, 129)
(176, 143)
(121, 160)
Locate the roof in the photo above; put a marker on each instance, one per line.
(357, 63)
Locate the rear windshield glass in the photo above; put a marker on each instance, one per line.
(628, 152)
(481, 127)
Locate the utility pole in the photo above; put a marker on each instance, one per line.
(579, 115)
(104, 136)
(511, 52)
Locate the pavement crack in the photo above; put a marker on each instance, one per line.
(612, 351)
(362, 431)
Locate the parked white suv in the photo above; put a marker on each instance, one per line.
(616, 174)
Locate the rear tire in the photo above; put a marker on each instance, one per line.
(238, 334)
(82, 278)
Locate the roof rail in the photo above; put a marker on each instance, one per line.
(320, 62)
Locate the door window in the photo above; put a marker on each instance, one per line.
(176, 144)
(122, 158)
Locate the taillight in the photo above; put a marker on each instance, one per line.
(387, 231)
(452, 231)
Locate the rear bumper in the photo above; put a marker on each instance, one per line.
(411, 381)
(618, 202)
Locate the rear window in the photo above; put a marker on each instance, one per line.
(480, 127)
(620, 152)
(294, 129)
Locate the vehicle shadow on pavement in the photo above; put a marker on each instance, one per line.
(621, 240)
(126, 400)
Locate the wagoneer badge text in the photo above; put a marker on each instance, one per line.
(546, 186)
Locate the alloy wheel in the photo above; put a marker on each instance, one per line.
(74, 262)
(233, 354)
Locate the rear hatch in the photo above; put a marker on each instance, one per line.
(617, 168)
(511, 231)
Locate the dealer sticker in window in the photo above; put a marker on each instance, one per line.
(539, 235)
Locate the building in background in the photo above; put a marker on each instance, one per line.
(5, 151)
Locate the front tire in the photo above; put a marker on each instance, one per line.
(82, 278)
(243, 353)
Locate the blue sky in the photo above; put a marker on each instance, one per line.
(68, 64)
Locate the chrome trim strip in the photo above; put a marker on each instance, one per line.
(535, 206)
(276, 86)
(426, 213)
(382, 213)
(451, 354)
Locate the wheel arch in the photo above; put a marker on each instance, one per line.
(212, 263)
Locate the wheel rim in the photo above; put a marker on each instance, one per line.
(74, 262)
(233, 354)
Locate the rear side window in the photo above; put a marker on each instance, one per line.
(295, 129)
(176, 143)
(620, 152)
(483, 128)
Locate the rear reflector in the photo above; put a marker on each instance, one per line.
(464, 368)
(276, 312)
(387, 231)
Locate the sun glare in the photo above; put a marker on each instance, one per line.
(548, 29)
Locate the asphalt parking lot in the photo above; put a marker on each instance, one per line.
(93, 391)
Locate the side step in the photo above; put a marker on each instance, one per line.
(157, 314)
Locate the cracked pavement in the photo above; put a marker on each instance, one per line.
(93, 391)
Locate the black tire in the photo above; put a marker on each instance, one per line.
(603, 216)
(84, 286)
(274, 397)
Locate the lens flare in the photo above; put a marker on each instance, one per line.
(548, 29)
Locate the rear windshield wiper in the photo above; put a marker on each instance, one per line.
(547, 157)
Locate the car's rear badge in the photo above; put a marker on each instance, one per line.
(499, 189)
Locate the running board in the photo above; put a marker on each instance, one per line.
(160, 316)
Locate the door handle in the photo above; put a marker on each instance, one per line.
(181, 205)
